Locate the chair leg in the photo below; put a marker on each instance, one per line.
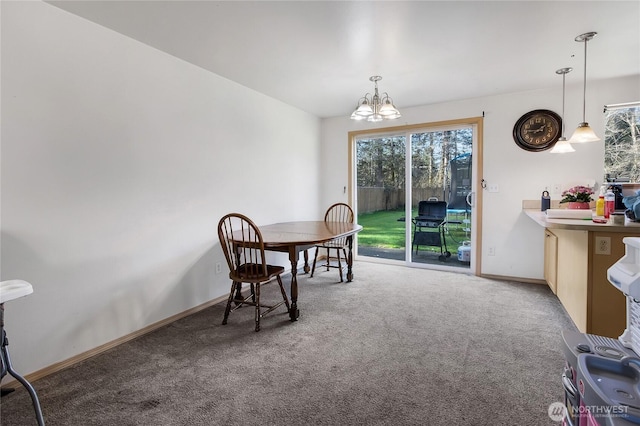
(313, 268)
(7, 367)
(234, 286)
(284, 293)
(238, 299)
(339, 264)
(256, 299)
(253, 292)
(328, 264)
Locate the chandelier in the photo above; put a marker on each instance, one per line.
(375, 108)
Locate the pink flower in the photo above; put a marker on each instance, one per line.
(577, 194)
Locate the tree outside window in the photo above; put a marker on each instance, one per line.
(622, 143)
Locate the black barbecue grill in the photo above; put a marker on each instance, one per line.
(429, 227)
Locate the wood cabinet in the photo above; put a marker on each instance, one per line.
(551, 260)
(608, 308)
(578, 276)
(583, 253)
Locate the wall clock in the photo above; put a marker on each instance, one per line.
(537, 130)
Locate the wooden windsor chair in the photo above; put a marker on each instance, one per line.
(339, 212)
(243, 248)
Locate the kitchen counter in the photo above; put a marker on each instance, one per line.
(541, 219)
(577, 254)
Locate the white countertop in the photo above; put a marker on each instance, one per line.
(580, 224)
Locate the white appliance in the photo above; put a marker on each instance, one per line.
(592, 395)
(625, 276)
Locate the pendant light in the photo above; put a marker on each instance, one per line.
(584, 133)
(562, 145)
(375, 108)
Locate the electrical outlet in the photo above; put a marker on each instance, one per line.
(603, 245)
(556, 188)
(494, 188)
(218, 268)
(491, 251)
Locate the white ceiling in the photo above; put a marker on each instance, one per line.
(319, 55)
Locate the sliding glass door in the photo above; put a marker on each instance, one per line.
(381, 193)
(414, 195)
(440, 185)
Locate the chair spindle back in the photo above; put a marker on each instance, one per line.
(243, 246)
(339, 212)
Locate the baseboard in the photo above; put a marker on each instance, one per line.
(105, 347)
(517, 279)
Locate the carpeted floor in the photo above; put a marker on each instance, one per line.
(396, 346)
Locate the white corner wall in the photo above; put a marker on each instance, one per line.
(117, 162)
(520, 175)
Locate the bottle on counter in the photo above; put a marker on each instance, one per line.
(600, 205)
(609, 203)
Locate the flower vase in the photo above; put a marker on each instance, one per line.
(578, 205)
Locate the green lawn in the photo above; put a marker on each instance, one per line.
(382, 229)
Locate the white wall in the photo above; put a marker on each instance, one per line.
(117, 162)
(519, 174)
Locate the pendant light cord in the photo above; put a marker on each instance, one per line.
(584, 90)
(564, 76)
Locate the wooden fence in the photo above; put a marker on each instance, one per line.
(375, 199)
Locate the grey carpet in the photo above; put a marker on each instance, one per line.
(396, 346)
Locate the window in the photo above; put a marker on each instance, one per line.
(622, 142)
